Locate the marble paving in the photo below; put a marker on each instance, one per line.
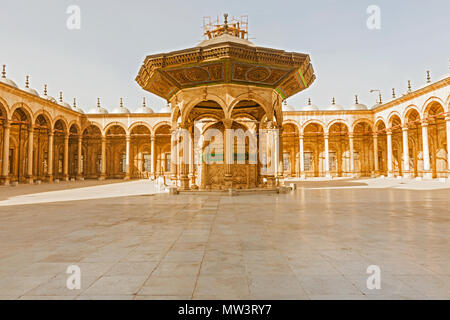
(313, 243)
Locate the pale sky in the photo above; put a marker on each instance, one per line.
(103, 58)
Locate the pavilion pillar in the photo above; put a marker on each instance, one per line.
(80, 158)
(50, 156)
(327, 157)
(66, 158)
(302, 158)
(280, 168)
(127, 157)
(103, 162)
(5, 161)
(375, 155)
(272, 156)
(30, 154)
(228, 153)
(184, 148)
(426, 153)
(174, 157)
(192, 156)
(153, 153)
(352, 155)
(406, 173)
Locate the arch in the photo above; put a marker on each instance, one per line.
(93, 124)
(63, 121)
(293, 122)
(363, 120)
(207, 97)
(5, 108)
(161, 124)
(409, 109)
(252, 97)
(335, 121)
(392, 116)
(46, 116)
(428, 103)
(116, 123)
(25, 108)
(312, 121)
(175, 115)
(74, 123)
(140, 123)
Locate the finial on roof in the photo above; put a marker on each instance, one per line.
(74, 103)
(27, 82)
(356, 99)
(98, 103)
(4, 71)
(428, 76)
(333, 101)
(225, 25)
(379, 98)
(285, 102)
(45, 89)
(121, 102)
(143, 102)
(309, 101)
(409, 85)
(60, 97)
(393, 92)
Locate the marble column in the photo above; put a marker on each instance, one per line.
(127, 157)
(66, 158)
(153, 152)
(302, 158)
(103, 162)
(192, 156)
(184, 149)
(229, 153)
(5, 161)
(30, 154)
(80, 158)
(327, 156)
(280, 168)
(50, 156)
(352, 156)
(426, 153)
(389, 154)
(406, 173)
(375, 155)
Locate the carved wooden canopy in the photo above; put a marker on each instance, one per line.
(226, 60)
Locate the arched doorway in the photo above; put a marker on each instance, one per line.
(314, 149)
(339, 161)
(415, 151)
(380, 131)
(363, 149)
(92, 152)
(437, 139)
(19, 141)
(116, 153)
(42, 128)
(291, 161)
(141, 152)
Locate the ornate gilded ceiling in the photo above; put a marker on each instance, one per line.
(226, 62)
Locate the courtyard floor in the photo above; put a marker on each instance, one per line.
(313, 243)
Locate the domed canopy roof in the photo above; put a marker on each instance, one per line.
(310, 107)
(75, 107)
(62, 102)
(5, 80)
(28, 89)
(226, 57)
(47, 97)
(121, 108)
(144, 108)
(98, 109)
(358, 106)
(334, 106)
